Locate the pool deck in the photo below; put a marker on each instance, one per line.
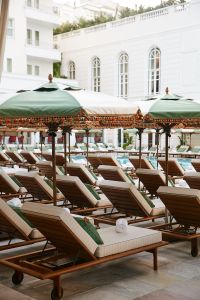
(177, 278)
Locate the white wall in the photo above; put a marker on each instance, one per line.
(175, 30)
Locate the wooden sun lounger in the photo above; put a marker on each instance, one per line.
(37, 187)
(113, 173)
(128, 202)
(94, 161)
(30, 157)
(5, 160)
(192, 179)
(109, 160)
(19, 160)
(196, 164)
(60, 160)
(74, 248)
(12, 227)
(9, 187)
(78, 194)
(174, 168)
(46, 169)
(151, 179)
(145, 164)
(82, 172)
(184, 205)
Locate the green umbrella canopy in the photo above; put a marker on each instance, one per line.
(46, 101)
(172, 107)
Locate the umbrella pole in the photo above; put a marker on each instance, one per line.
(52, 132)
(87, 144)
(157, 146)
(41, 144)
(140, 131)
(4, 136)
(64, 133)
(69, 136)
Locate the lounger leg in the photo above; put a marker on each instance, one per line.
(57, 292)
(194, 247)
(155, 259)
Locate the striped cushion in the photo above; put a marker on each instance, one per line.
(135, 237)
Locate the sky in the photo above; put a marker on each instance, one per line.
(128, 3)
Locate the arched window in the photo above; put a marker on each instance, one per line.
(72, 70)
(96, 74)
(154, 71)
(123, 75)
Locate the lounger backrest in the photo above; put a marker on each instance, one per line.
(113, 173)
(75, 191)
(192, 179)
(59, 158)
(174, 168)
(125, 198)
(80, 171)
(59, 227)
(4, 157)
(14, 156)
(29, 156)
(7, 185)
(196, 164)
(182, 203)
(94, 160)
(11, 223)
(46, 169)
(35, 185)
(151, 179)
(109, 161)
(145, 164)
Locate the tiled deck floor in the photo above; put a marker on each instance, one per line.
(178, 278)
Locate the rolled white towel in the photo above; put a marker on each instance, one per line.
(15, 202)
(121, 226)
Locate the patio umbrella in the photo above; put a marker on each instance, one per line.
(172, 110)
(53, 107)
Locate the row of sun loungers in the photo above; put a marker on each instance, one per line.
(106, 200)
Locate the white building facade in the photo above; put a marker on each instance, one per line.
(30, 52)
(138, 56)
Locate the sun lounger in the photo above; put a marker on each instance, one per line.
(79, 194)
(9, 185)
(145, 164)
(82, 172)
(129, 202)
(75, 248)
(184, 205)
(38, 187)
(46, 169)
(109, 160)
(114, 173)
(18, 160)
(174, 168)
(30, 157)
(151, 179)
(60, 160)
(12, 226)
(183, 148)
(192, 179)
(5, 160)
(94, 161)
(196, 164)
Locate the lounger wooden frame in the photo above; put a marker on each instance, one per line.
(42, 264)
(145, 164)
(196, 164)
(174, 168)
(11, 231)
(60, 160)
(184, 205)
(126, 203)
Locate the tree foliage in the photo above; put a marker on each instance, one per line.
(124, 13)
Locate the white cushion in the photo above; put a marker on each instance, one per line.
(134, 238)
